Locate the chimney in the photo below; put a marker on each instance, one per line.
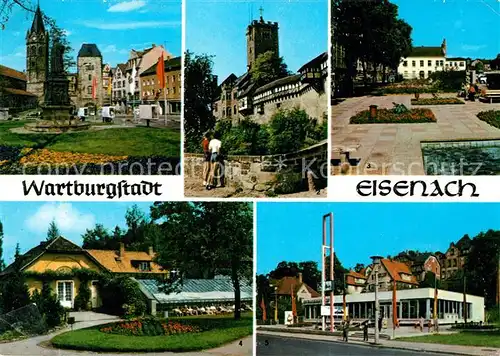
(122, 249)
(151, 252)
(300, 278)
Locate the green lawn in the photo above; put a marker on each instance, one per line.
(465, 338)
(491, 117)
(222, 330)
(138, 141)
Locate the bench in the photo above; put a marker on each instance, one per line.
(345, 152)
(491, 94)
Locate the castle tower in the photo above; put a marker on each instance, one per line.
(90, 66)
(261, 37)
(37, 56)
(443, 47)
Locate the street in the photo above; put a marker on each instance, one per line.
(277, 345)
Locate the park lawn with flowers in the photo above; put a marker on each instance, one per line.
(437, 101)
(388, 116)
(89, 147)
(156, 335)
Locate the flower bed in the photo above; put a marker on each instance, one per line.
(45, 156)
(491, 117)
(149, 327)
(437, 101)
(386, 116)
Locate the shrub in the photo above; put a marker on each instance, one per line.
(82, 300)
(437, 101)
(386, 116)
(448, 80)
(288, 182)
(14, 293)
(49, 306)
(122, 296)
(288, 131)
(491, 117)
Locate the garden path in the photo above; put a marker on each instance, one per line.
(394, 149)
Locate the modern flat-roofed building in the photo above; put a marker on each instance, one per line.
(411, 305)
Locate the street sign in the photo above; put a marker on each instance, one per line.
(337, 311)
(328, 286)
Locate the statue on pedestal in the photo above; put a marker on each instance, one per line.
(57, 86)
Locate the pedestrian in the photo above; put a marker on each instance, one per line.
(214, 148)
(345, 331)
(421, 324)
(472, 93)
(379, 324)
(365, 331)
(429, 326)
(206, 158)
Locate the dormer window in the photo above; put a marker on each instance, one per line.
(144, 266)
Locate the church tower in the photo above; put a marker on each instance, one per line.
(261, 37)
(37, 56)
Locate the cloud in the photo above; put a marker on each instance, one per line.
(67, 33)
(127, 6)
(131, 25)
(19, 54)
(67, 218)
(472, 48)
(113, 49)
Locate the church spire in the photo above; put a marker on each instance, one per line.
(37, 25)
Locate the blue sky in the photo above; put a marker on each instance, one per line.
(471, 27)
(26, 223)
(218, 27)
(116, 26)
(293, 231)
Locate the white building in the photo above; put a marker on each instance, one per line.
(423, 61)
(411, 305)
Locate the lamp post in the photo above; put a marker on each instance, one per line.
(376, 264)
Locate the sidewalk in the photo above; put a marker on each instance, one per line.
(385, 343)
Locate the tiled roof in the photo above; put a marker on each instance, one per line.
(352, 276)
(286, 284)
(197, 290)
(231, 78)
(58, 244)
(89, 50)
(18, 92)
(291, 79)
(456, 59)
(37, 25)
(112, 261)
(395, 269)
(315, 62)
(12, 73)
(170, 64)
(427, 52)
(123, 67)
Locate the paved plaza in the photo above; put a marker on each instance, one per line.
(394, 149)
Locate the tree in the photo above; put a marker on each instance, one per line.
(338, 274)
(309, 269)
(268, 67)
(17, 253)
(288, 131)
(359, 267)
(98, 238)
(48, 305)
(53, 231)
(207, 235)
(481, 266)
(14, 292)
(2, 262)
(495, 64)
(200, 91)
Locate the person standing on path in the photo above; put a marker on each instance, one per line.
(365, 331)
(421, 324)
(214, 148)
(472, 93)
(206, 158)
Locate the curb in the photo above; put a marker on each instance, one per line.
(313, 332)
(380, 346)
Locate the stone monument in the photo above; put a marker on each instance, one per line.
(56, 109)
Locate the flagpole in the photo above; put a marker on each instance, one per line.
(165, 101)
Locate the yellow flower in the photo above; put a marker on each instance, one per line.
(52, 157)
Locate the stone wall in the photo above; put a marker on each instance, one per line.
(261, 173)
(313, 103)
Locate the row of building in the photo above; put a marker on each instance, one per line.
(407, 274)
(239, 97)
(95, 83)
